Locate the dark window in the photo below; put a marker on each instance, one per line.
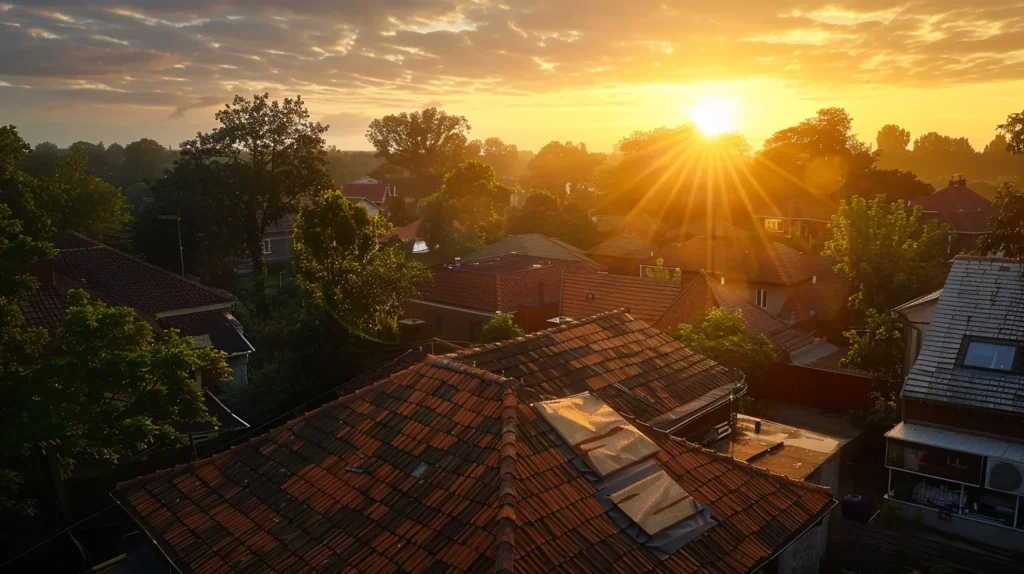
(989, 355)
(761, 298)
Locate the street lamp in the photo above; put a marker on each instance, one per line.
(181, 250)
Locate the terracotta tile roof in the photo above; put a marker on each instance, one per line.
(501, 283)
(588, 294)
(533, 244)
(127, 280)
(625, 246)
(638, 370)
(666, 304)
(775, 263)
(443, 467)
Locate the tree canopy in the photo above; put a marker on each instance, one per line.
(559, 164)
(427, 144)
(501, 328)
(479, 201)
(721, 335)
(543, 213)
(342, 265)
(1006, 230)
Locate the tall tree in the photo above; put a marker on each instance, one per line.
(480, 202)
(558, 165)
(253, 169)
(428, 144)
(1013, 129)
(892, 183)
(721, 335)
(99, 163)
(892, 139)
(1006, 230)
(82, 202)
(341, 264)
(439, 231)
(543, 213)
(144, 160)
(878, 350)
(885, 252)
(501, 156)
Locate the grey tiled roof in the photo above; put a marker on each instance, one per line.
(983, 297)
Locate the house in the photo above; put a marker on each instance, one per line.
(956, 460)
(796, 287)
(624, 254)
(801, 219)
(465, 295)
(916, 315)
(965, 211)
(162, 298)
(535, 245)
(375, 195)
(411, 233)
(447, 467)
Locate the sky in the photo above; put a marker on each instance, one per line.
(527, 71)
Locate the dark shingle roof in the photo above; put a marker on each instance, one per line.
(625, 246)
(982, 297)
(374, 192)
(533, 244)
(443, 467)
(127, 280)
(638, 370)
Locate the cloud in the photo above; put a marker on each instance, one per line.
(347, 124)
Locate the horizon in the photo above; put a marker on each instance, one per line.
(120, 71)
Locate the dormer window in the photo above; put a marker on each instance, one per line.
(998, 356)
(773, 225)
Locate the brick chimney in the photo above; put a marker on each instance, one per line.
(958, 180)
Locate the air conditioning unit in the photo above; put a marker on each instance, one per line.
(1005, 476)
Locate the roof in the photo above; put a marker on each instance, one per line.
(773, 263)
(374, 192)
(826, 296)
(500, 283)
(533, 244)
(954, 197)
(807, 206)
(624, 246)
(444, 467)
(224, 330)
(959, 441)
(129, 281)
(638, 370)
(410, 232)
(666, 304)
(780, 448)
(982, 297)
(923, 299)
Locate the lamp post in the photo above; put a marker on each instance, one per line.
(181, 250)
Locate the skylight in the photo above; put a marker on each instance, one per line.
(989, 355)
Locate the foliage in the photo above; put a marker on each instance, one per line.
(892, 183)
(341, 264)
(247, 173)
(81, 202)
(721, 335)
(660, 273)
(878, 350)
(439, 231)
(1006, 229)
(501, 328)
(427, 144)
(543, 213)
(346, 166)
(503, 157)
(479, 201)
(145, 161)
(892, 139)
(110, 389)
(885, 253)
(559, 164)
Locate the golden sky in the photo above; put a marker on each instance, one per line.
(528, 72)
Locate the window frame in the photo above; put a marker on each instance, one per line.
(266, 247)
(761, 298)
(1015, 365)
(776, 225)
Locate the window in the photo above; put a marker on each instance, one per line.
(932, 492)
(989, 505)
(266, 246)
(761, 298)
(774, 225)
(988, 355)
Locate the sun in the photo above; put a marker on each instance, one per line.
(714, 116)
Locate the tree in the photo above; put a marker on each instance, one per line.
(892, 139)
(81, 202)
(540, 213)
(885, 253)
(479, 201)
(820, 153)
(99, 163)
(557, 165)
(1013, 129)
(1005, 237)
(428, 143)
(878, 350)
(342, 266)
(501, 328)
(144, 161)
(438, 230)
(892, 183)
(721, 335)
(499, 155)
(253, 169)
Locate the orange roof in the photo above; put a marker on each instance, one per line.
(444, 467)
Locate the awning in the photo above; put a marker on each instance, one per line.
(959, 441)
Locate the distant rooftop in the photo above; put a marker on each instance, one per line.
(503, 264)
(533, 244)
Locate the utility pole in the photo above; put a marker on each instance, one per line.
(181, 250)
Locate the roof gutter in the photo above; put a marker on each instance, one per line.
(172, 557)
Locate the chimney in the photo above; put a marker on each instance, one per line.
(958, 180)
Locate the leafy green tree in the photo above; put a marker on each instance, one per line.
(144, 160)
(540, 213)
(428, 144)
(892, 183)
(885, 253)
(439, 231)
(249, 172)
(501, 328)
(497, 154)
(341, 264)
(893, 139)
(19, 192)
(1013, 129)
(82, 202)
(721, 335)
(1006, 229)
(479, 201)
(558, 164)
(101, 162)
(878, 350)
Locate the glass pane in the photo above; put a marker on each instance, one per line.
(989, 505)
(926, 491)
(990, 356)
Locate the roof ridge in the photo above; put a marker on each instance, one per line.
(682, 291)
(504, 553)
(539, 334)
(100, 245)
